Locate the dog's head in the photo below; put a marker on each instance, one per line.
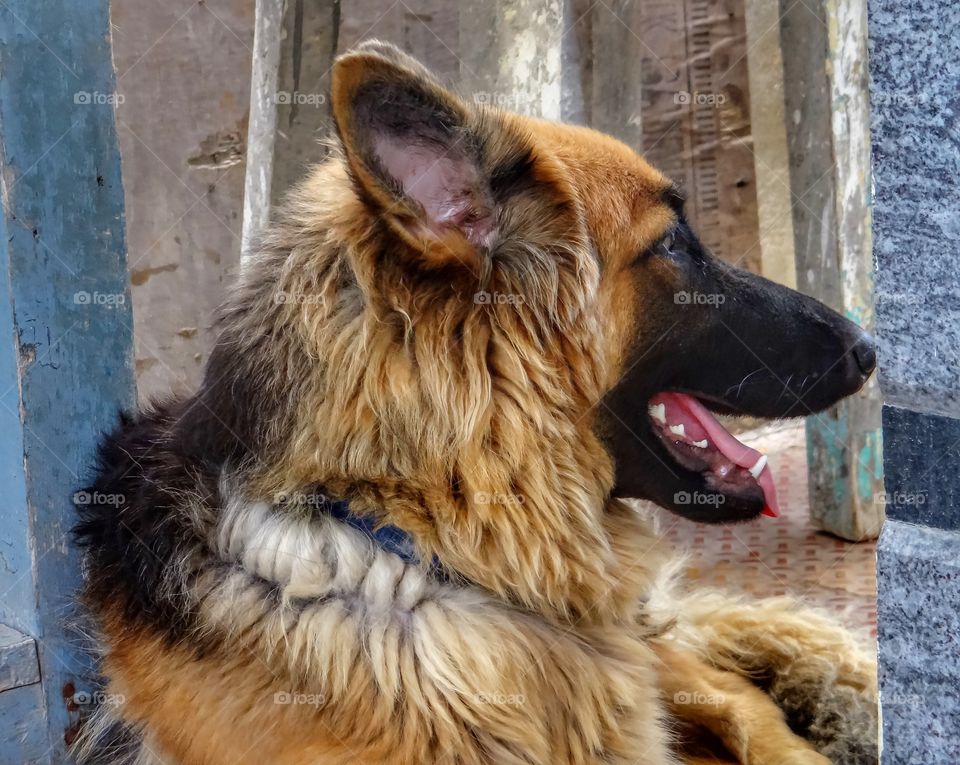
(606, 306)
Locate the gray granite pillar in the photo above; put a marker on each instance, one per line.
(915, 105)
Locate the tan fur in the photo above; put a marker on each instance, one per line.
(744, 718)
(813, 668)
(421, 406)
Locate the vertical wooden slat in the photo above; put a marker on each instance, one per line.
(294, 46)
(431, 32)
(667, 133)
(308, 46)
(696, 117)
(261, 132)
(616, 93)
(768, 128)
(719, 31)
(825, 55)
(514, 58)
(66, 362)
(702, 106)
(576, 63)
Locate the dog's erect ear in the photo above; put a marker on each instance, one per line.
(414, 151)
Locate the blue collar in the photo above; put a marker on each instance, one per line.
(393, 539)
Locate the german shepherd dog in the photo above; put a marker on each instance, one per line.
(390, 526)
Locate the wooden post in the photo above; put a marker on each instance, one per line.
(514, 58)
(66, 361)
(294, 46)
(616, 79)
(827, 114)
(769, 134)
(696, 113)
(308, 47)
(263, 120)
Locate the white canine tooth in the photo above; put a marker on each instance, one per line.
(677, 430)
(658, 412)
(702, 444)
(757, 469)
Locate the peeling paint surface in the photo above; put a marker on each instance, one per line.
(830, 157)
(66, 364)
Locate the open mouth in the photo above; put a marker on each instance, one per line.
(699, 443)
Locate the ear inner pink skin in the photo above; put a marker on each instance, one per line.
(444, 185)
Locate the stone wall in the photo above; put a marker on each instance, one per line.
(915, 104)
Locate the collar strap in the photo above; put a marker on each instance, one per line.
(393, 539)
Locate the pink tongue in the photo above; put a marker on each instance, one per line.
(699, 422)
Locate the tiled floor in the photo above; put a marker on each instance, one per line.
(784, 555)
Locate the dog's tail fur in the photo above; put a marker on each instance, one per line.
(106, 739)
(822, 679)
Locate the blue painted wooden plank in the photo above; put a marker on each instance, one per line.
(23, 741)
(65, 318)
(18, 659)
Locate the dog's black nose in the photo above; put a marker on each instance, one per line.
(865, 353)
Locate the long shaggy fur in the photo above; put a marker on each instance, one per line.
(242, 624)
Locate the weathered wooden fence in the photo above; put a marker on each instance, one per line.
(65, 348)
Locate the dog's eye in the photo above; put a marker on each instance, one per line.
(657, 249)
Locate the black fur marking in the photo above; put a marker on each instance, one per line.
(513, 176)
(224, 421)
(118, 744)
(233, 418)
(133, 525)
(405, 110)
(675, 198)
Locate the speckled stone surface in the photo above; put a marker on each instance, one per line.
(915, 108)
(915, 112)
(922, 468)
(918, 588)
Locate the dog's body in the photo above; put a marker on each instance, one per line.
(456, 328)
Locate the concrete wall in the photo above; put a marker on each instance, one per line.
(183, 74)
